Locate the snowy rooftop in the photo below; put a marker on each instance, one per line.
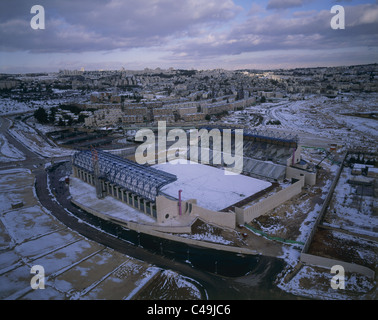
(212, 188)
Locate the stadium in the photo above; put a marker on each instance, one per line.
(174, 194)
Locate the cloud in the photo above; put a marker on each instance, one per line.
(284, 4)
(308, 30)
(184, 32)
(79, 26)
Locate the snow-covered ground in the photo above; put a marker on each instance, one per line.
(74, 266)
(86, 194)
(350, 211)
(319, 116)
(161, 289)
(10, 106)
(324, 117)
(210, 237)
(8, 152)
(213, 189)
(315, 283)
(36, 143)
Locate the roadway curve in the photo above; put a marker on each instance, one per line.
(217, 287)
(257, 285)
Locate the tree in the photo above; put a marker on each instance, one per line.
(263, 99)
(41, 115)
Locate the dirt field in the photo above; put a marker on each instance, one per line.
(289, 220)
(348, 248)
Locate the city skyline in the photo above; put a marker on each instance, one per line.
(226, 34)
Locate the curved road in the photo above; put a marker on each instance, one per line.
(257, 285)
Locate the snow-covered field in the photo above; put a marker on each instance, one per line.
(8, 152)
(34, 142)
(350, 211)
(74, 267)
(319, 116)
(213, 189)
(315, 283)
(324, 117)
(161, 288)
(10, 106)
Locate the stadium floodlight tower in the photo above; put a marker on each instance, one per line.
(98, 186)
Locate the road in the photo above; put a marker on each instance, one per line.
(31, 157)
(217, 287)
(74, 221)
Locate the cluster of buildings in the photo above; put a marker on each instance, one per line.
(329, 81)
(115, 111)
(132, 97)
(201, 84)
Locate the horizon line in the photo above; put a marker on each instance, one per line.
(193, 69)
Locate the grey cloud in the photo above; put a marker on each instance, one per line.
(277, 32)
(80, 26)
(185, 30)
(284, 4)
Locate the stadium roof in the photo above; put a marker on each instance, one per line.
(141, 180)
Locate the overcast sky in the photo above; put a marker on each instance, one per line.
(199, 34)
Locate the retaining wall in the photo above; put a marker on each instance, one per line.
(329, 263)
(323, 209)
(248, 214)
